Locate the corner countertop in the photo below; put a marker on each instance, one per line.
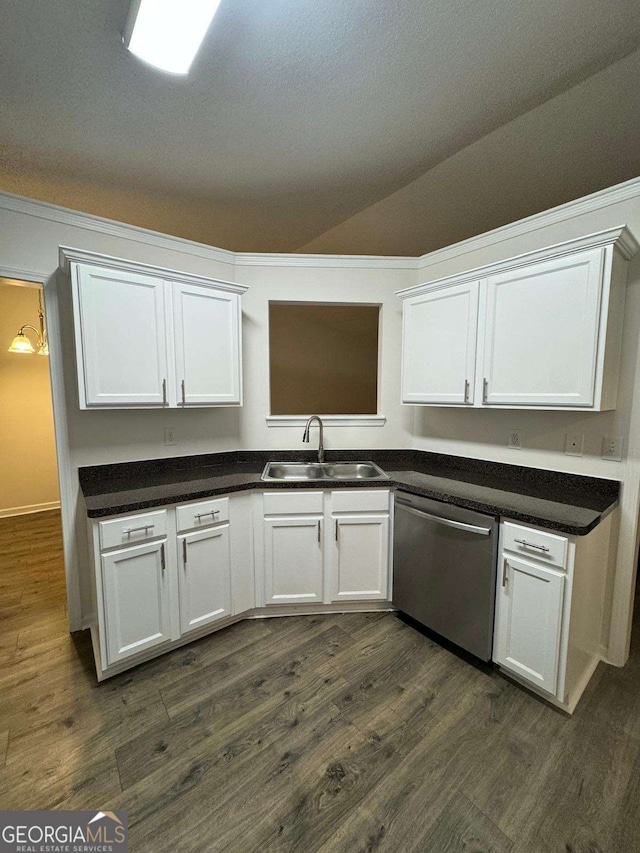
(569, 503)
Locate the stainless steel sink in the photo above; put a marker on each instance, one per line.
(327, 471)
(293, 471)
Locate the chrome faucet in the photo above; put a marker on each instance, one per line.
(305, 436)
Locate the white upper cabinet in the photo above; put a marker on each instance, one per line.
(207, 342)
(149, 337)
(539, 331)
(123, 337)
(439, 346)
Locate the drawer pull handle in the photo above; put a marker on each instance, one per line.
(129, 530)
(336, 529)
(162, 560)
(200, 515)
(319, 531)
(184, 552)
(505, 567)
(466, 390)
(164, 392)
(531, 545)
(485, 390)
(184, 396)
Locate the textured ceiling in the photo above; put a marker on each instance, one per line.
(297, 113)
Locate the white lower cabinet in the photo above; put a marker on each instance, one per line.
(293, 560)
(360, 558)
(530, 621)
(323, 547)
(204, 577)
(137, 605)
(171, 574)
(549, 605)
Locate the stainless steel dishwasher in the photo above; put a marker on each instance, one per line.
(444, 570)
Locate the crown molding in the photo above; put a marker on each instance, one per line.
(620, 237)
(90, 222)
(65, 216)
(81, 256)
(283, 259)
(562, 213)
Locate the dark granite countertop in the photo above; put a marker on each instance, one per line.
(569, 503)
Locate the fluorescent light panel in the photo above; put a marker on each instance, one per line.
(168, 33)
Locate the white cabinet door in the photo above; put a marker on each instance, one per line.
(121, 342)
(207, 341)
(360, 559)
(293, 560)
(204, 566)
(541, 333)
(439, 346)
(529, 621)
(136, 600)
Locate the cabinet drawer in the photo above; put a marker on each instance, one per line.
(133, 529)
(286, 503)
(202, 514)
(357, 500)
(546, 547)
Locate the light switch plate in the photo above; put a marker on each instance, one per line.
(515, 439)
(170, 436)
(574, 444)
(612, 448)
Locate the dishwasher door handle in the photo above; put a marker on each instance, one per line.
(447, 522)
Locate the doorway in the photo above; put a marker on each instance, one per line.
(32, 578)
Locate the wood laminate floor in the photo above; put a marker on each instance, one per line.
(330, 733)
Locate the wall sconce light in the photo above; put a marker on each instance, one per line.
(21, 342)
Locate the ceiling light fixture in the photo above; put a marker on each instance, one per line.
(168, 33)
(21, 342)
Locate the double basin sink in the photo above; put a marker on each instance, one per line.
(323, 471)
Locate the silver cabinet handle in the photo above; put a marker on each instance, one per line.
(485, 390)
(184, 398)
(184, 551)
(164, 392)
(162, 560)
(505, 568)
(531, 545)
(319, 530)
(448, 522)
(129, 530)
(212, 512)
(466, 390)
(336, 529)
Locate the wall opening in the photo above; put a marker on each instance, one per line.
(323, 358)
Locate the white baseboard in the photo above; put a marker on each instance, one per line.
(27, 510)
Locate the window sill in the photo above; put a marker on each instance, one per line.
(328, 420)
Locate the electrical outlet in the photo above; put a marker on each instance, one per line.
(515, 439)
(612, 448)
(170, 436)
(574, 444)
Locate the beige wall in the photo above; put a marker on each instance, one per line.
(28, 471)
